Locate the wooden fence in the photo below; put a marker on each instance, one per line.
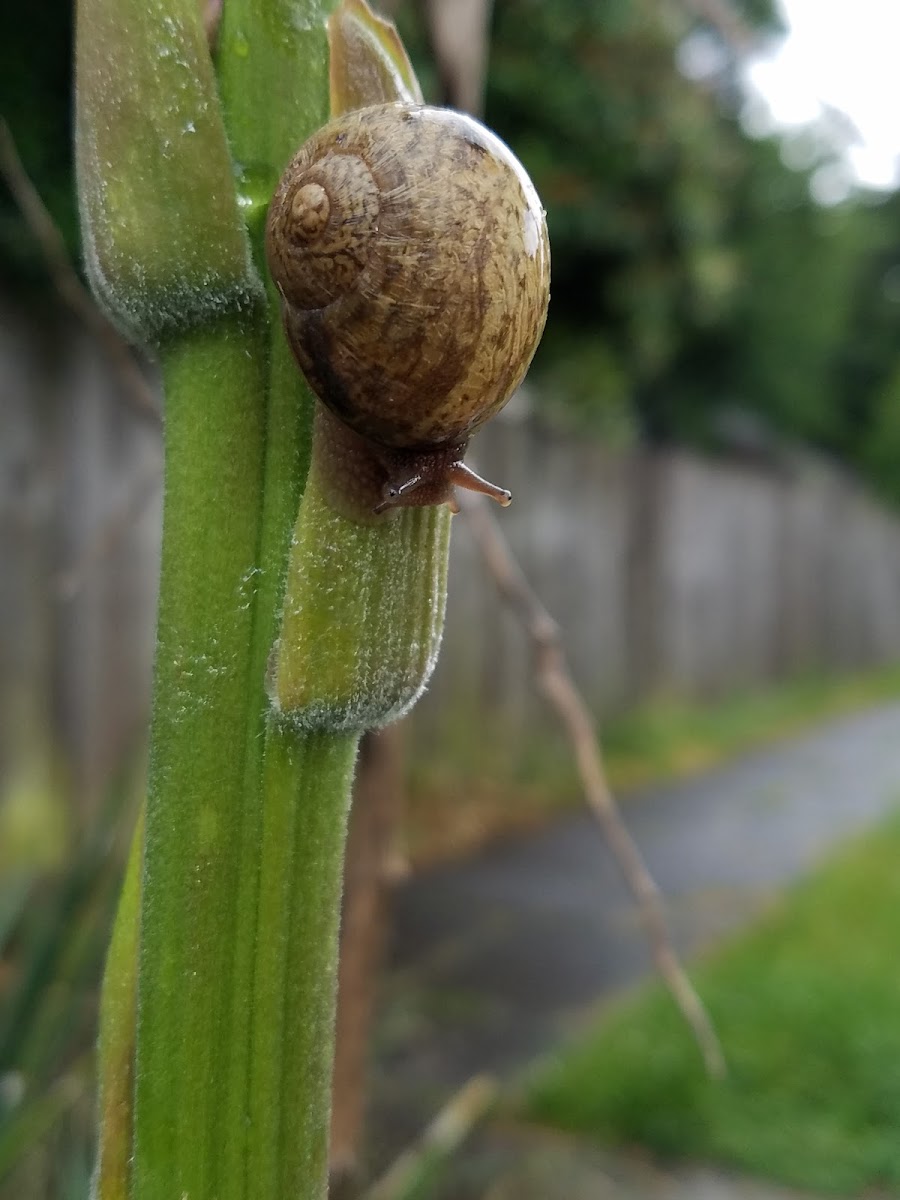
(667, 572)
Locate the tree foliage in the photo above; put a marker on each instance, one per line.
(694, 276)
(35, 100)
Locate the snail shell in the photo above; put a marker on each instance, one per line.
(410, 249)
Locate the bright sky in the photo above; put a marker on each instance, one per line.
(843, 54)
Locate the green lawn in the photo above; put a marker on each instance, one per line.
(808, 1008)
(667, 739)
(470, 788)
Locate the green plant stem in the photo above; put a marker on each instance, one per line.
(363, 612)
(213, 377)
(164, 244)
(306, 784)
(258, 60)
(246, 813)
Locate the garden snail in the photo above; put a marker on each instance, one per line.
(410, 250)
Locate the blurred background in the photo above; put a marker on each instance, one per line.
(704, 460)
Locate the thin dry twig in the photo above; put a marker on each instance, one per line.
(65, 278)
(368, 881)
(441, 1139)
(555, 681)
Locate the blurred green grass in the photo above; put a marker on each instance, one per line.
(58, 887)
(476, 787)
(671, 739)
(808, 1008)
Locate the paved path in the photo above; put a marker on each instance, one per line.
(495, 959)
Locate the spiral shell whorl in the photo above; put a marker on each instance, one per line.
(322, 220)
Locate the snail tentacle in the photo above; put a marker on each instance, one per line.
(464, 477)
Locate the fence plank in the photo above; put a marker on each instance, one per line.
(667, 572)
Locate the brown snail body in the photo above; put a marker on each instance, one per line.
(410, 250)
